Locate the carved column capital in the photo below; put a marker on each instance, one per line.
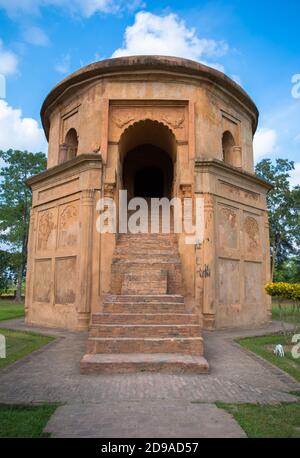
(88, 197)
(109, 190)
(186, 190)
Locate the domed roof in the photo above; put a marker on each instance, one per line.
(147, 65)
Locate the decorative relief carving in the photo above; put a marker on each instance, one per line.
(68, 226)
(186, 190)
(175, 122)
(229, 217)
(239, 193)
(173, 117)
(228, 228)
(252, 234)
(122, 121)
(46, 227)
(109, 190)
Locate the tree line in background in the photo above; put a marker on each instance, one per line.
(284, 217)
(15, 204)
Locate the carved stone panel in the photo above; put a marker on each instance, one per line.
(229, 280)
(252, 237)
(65, 280)
(42, 284)
(68, 232)
(173, 114)
(238, 194)
(228, 228)
(253, 283)
(46, 238)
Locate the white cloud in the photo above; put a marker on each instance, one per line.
(64, 66)
(297, 138)
(36, 36)
(17, 132)
(8, 61)
(85, 8)
(295, 175)
(265, 142)
(237, 79)
(168, 35)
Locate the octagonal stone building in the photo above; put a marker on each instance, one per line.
(157, 127)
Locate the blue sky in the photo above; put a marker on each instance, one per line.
(256, 43)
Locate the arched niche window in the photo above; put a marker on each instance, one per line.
(68, 150)
(231, 152)
(72, 143)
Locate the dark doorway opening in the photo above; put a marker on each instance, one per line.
(149, 182)
(148, 172)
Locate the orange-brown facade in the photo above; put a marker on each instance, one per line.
(107, 122)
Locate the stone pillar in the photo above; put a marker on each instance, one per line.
(63, 153)
(267, 263)
(237, 156)
(30, 263)
(209, 259)
(86, 248)
(107, 244)
(187, 252)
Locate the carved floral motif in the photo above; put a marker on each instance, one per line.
(228, 229)
(229, 216)
(45, 228)
(252, 232)
(68, 226)
(174, 122)
(122, 122)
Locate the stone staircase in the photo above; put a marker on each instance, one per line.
(144, 324)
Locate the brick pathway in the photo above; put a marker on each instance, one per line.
(52, 374)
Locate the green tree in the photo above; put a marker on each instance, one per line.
(15, 203)
(288, 271)
(284, 206)
(6, 273)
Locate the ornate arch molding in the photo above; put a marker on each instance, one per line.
(148, 130)
(133, 123)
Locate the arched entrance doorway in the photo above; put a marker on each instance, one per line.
(147, 157)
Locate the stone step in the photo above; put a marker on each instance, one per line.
(138, 362)
(145, 288)
(140, 249)
(147, 255)
(143, 238)
(146, 263)
(150, 245)
(143, 319)
(140, 282)
(158, 330)
(144, 307)
(148, 276)
(185, 345)
(165, 298)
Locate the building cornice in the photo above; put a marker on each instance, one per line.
(78, 164)
(220, 165)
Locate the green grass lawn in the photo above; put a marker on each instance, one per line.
(266, 421)
(10, 310)
(263, 346)
(289, 315)
(20, 344)
(25, 421)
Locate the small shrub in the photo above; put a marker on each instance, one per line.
(286, 292)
